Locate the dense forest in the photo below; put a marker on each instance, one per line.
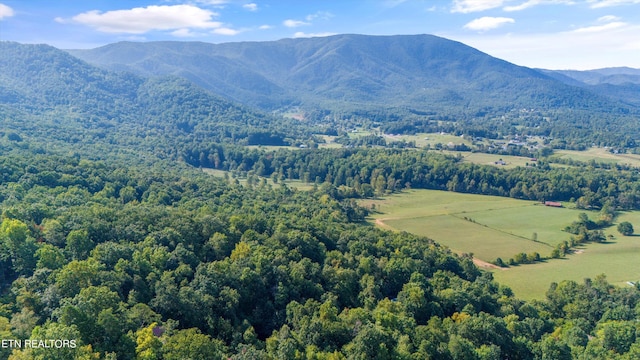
(166, 262)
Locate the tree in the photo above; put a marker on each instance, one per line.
(148, 346)
(625, 228)
(79, 244)
(192, 344)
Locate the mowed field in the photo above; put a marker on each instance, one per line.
(617, 259)
(491, 227)
(487, 226)
(506, 161)
(599, 155)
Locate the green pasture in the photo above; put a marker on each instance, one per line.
(424, 139)
(502, 227)
(492, 159)
(464, 236)
(487, 226)
(617, 259)
(421, 139)
(599, 155)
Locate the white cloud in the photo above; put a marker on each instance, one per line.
(294, 23)
(212, 2)
(577, 50)
(5, 11)
(183, 33)
(488, 23)
(531, 3)
(265, 27)
(226, 31)
(142, 20)
(596, 4)
(301, 34)
(523, 6)
(469, 6)
(608, 18)
(600, 28)
(251, 6)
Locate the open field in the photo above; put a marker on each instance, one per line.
(502, 227)
(465, 236)
(493, 159)
(422, 139)
(617, 259)
(488, 226)
(599, 155)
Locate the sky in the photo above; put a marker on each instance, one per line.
(550, 34)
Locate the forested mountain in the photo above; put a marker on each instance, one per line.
(424, 72)
(67, 99)
(404, 84)
(621, 83)
(613, 76)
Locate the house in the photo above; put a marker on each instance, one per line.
(552, 204)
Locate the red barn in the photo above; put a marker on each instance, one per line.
(552, 203)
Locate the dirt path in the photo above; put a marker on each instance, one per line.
(483, 264)
(380, 222)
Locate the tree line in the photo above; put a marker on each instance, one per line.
(368, 172)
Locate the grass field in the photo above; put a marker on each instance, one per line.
(488, 226)
(599, 155)
(491, 159)
(432, 139)
(502, 227)
(617, 259)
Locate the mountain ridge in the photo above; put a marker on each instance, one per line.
(418, 71)
(63, 97)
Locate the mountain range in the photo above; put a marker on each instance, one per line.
(224, 92)
(424, 72)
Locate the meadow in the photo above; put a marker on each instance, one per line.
(617, 259)
(491, 227)
(601, 155)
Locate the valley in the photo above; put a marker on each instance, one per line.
(315, 198)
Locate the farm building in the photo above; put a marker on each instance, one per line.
(552, 204)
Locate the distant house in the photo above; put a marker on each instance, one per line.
(552, 204)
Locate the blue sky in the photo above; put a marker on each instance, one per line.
(552, 34)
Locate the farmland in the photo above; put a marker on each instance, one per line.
(617, 259)
(491, 227)
(600, 155)
(487, 226)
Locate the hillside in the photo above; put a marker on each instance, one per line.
(403, 84)
(421, 71)
(621, 84)
(69, 100)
